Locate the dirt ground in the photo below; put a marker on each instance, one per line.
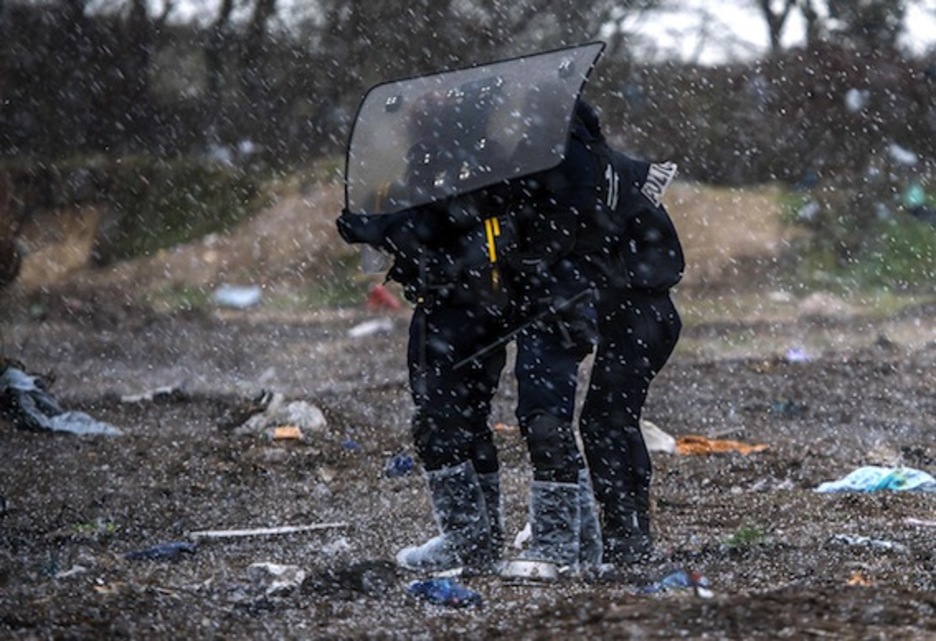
(777, 554)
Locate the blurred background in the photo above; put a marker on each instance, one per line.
(174, 117)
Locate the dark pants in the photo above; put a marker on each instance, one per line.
(450, 424)
(549, 353)
(638, 332)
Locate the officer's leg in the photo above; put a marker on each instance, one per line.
(637, 336)
(561, 500)
(485, 375)
(659, 333)
(444, 436)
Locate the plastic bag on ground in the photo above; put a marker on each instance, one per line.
(443, 591)
(24, 399)
(873, 478)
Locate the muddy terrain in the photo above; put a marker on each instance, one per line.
(825, 384)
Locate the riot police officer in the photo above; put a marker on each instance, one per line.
(629, 250)
(465, 304)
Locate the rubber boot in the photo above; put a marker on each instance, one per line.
(590, 553)
(464, 544)
(643, 522)
(624, 543)
(490, 486)
(555, 520)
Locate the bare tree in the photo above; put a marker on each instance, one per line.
(214, 47)
(866, 25)
(775, 12)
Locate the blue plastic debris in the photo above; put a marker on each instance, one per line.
(170, 551)
(680, 580)
(399, 464)
(351, 444)
(873, 478)
(442, 591)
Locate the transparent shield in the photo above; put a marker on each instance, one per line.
(418, 140)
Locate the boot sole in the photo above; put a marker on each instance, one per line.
(532, 571)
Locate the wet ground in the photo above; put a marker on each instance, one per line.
(770, 547)
(825, 387)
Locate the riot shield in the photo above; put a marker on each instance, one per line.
(418, 140)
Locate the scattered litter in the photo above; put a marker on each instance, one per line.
(237, 296)
(165, 392)
(380, 298)
(370, 327)
(919, 522)
(286, 433)
(25, 401)
(681, 580)
(336, 547)
(171, 551)
(656, 439)
(857, 578)
(351, 444)
(263, 531)
(443, 591)
(269, 411)
(400, 464)
(866, 541)
(693, 444)
(274, 578)
(74, 570)
(797, 355)
(505, 428)
(873, 478)
(787, 409)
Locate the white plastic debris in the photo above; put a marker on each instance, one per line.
(809, 211)
(370, 327)
(797, 355)
(336, 547)
(867, 541)
(656, 439)
(276, 578)
(165, 391)
(237, 296)
(301, 414)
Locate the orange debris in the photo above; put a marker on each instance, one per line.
(702, 445)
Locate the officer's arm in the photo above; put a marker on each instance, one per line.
(369, 229)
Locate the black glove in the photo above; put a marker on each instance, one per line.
(358, 228)
(371, 229)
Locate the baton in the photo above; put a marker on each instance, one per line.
(506, 338)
